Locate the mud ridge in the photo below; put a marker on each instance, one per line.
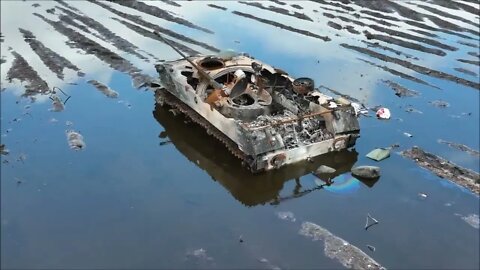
(417, 68)
(151, 35)
(406, 44)
(162, 30)
(23, 72)
(397, 52)
(334, 25)
(55, 62)
(447, 15)
(444, 168)
(471, 62)
(475, 54)
(473, 45)
(278, 10)
(425, 33)
(118, 42)
(400, 91)
(115, 61)
(398, 73)
(431, 28)
(466, 71)
(282, 26)
(460, 147)
(217, 7)
(158, 12)
(171, 3)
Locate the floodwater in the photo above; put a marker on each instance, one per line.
(147, 189)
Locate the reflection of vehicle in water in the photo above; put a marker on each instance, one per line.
(262, 115)
(250, 189)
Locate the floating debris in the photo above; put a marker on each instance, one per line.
(368, 224)
(268, 264)
(53, 120)
(383, 113)
(379, 154)
(4, 151)
(372, 248)
(200, 257)
(366, 172)
(445, 169)
(347, 254)
(57, 104)
(460, 147)
(104, 89)
(68, 123)
(473, 220)
(286, 216)
(407, 134)
(422, 196)
(75, 140)
(400, 90)
(440, 103)
(413, 110)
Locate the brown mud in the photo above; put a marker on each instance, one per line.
(445, 169)
(23, 72)
(400, 91)
(55, 62)
(155, 27)
(115, 61)
(278, 10)
(217, 7)
(460, 147)
(417, 68)
(119, 42)
(282, 26)
(159, 13)
(151, 35)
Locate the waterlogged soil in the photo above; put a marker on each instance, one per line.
(95, 175)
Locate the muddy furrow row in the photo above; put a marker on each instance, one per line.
(162, 30)
(385, 48)
(79, 41)
(474, 54)
(118, 42)
(23, 72)
(447, 15)
(425, 33)
(171, 3)
(471, 62)
(217, 7)
(159, 13)
(406, 44)
(466, 71)
(457, 5)
(150, 34)
(65, 4)
(398, 73)
(282, 26)
(55, 62)
(414, 67)
(278, 10)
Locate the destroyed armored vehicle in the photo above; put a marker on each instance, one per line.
(262, 115)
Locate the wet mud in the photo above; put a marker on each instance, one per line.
(278, 10)
(155, 27)
(460, 147)
(55, 62)
(397, 52)
(119, 42)
(171, 3)
(217, 7)
(417, 68)
(282, 26)
(337, 248)
(115, 61)
(159, 13)
(23, 72)
(334, 25)
(151, 35)
(471, 62)
(466, 71)
(398, 73)
(445, 169)
(400, 91)
(107, 91)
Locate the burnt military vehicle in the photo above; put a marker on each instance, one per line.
(262, 115)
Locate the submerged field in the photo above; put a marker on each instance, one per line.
(95, 175)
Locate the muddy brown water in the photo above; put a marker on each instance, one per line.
(148, 189)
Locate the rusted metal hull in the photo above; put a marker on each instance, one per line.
(262, 145)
